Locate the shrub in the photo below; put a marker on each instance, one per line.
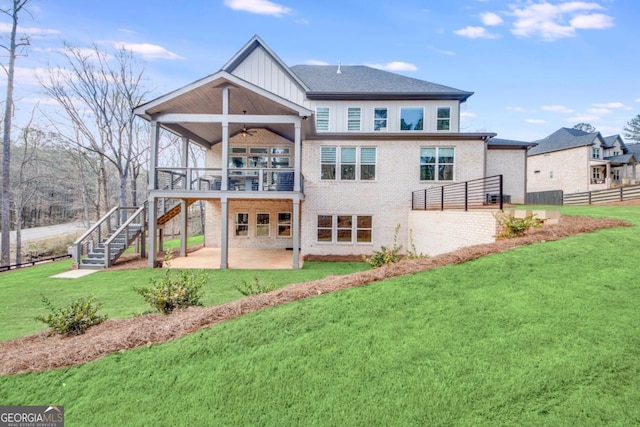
(413, 252)
(516, 227)
(385, 255)
(254, 287)
(172, 291)
(75, 318)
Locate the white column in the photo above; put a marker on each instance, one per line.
(295, 231)
(297, 176)
(153, 231)
(225, 139)
(224, 233)
(184, 226)
(153, 160)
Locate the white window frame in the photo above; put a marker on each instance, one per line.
(323, 118)
(334, 229)
(595, 152)
(260, 226)
(400, 119)
(437, 165)
(377, 119)
(443, 119)
(239, 225)
(284, 224)
(354, 119)
(338, 163)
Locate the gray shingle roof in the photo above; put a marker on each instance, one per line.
(562, 139)
(499, 142)
(362, 82)
(633, 149)
(622, 159)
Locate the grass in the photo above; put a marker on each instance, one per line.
(546, 334)
(21, 290)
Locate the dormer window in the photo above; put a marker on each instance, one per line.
(595, 152)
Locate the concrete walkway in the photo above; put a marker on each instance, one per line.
(239, 258)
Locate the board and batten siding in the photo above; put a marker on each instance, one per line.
(338, 114)
(260, 69)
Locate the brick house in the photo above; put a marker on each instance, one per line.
(318, 159)
(575, 161)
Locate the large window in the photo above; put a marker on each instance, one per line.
(262, 225)
(595, 152)
(436, 164)
(353, 118)
(344, 228)
(322, 119)
(412, 118)
(444, 118)
(379, 119)
(242, 224)
(284, 224)
(348, 163)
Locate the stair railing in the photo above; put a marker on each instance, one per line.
(95, 234)
(137, 218)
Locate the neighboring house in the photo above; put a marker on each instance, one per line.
(318, 159)
(575, 161)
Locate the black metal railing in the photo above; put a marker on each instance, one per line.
(34, 262)
(239, 179)
(475, 194)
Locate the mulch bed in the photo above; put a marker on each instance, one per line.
(44, 351)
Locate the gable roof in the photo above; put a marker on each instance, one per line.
(363, 82)
(563, 139)
(610, 140)
(634, 149)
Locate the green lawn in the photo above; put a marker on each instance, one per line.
(543, 335)
(21, 290)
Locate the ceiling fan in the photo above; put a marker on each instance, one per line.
(246, 132)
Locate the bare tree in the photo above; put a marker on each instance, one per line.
(97, 92)
(13, 12)
(585, 127)
(27, 176)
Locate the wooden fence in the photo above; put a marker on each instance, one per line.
(602, 196)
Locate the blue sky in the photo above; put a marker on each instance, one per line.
(534, 65)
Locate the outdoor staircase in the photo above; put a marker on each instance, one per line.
(119, 241)
(173, 212)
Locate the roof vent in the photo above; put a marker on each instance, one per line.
(339, 69)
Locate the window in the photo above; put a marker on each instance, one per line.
(352, 160)
(322, 119)
(595, 152)
(367, 163)
(262, 225)
(284, 224)
(344, 228)
(353, 118)
(616, 174)
(411, 118)
(379, 119)
(444, 118)
(242, 224)
(436, 164)
(347, 163)
(596, 173)
(364, 227)
(328, 162)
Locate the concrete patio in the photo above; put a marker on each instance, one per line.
(239, 259)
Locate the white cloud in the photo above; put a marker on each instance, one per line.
(557, 109)
(475, 33)
(582, 118)
(148, 50)
(260, 7)
(637, 99)
(315, 62)
(596, 21)
(599, 111)
(613, 105)
(490, 19)
(550, 21)
(468, 115)
(441, 52)
(536, 121)
(5, 27)
(395, 66)
(24, 77)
